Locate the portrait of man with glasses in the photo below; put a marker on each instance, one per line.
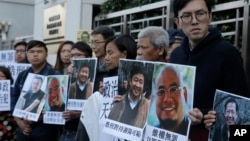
(171, 99)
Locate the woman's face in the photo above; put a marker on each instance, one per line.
(65, 53)
(113, 56)
(2, 76)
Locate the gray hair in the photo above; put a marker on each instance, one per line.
(157, 35)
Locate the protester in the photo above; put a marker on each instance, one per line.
(218, 63)
(7, 122)
(117, 47)
(99, 37)
(20, 52)
(37, 53)
(152, 44)
(175, 38)
(63, 56)
(79, 50)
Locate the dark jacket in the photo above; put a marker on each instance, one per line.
(38, 128)
(218, 66)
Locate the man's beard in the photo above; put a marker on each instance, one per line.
(168, 124)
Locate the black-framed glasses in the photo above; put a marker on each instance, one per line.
(172, 91)
(20, 51)
(188, 17)
(97, 42)
(78, 55)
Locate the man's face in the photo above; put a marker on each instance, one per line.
(65, 53)
(136, 86)
(197, 28)
(37, 56)
(97, 44)
(169, 107)
(76, 53)
(36, 85)
(83, 75)
(146, 51)
(20, 55)
(231, 113)
(54, 97)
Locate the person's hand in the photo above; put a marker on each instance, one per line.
(25, 125)
(69, 115)
(209, 119)
(196, 116)
(117, 98)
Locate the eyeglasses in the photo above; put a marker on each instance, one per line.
(20, 51)
(188, 17)
(78, 55)
(172, 91)
(55, 89)
(97, 42)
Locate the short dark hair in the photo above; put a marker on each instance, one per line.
(137, 69)
(83, 47)
(36, 43)
(180, 4)
(85, 65)
(20, 43)
(231, 100)
(104, 30)
(38, 77)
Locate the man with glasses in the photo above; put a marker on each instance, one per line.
(55, 92)
(98, 38)
(171, 101)
(20, 54)
(231, 117)
(218, 63)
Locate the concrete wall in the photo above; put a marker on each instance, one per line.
(21, 19)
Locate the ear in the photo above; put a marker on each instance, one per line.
(176, 21)
(124, 54)
(162, 49)
(210, 17)
(185, 94)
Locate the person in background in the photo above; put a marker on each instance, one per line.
(152, 44)
(79, 50)
(218, 63)
(7, 123)
(175, 38)
(20, 54)
(63, 56)
(99, 37)
(116, 47)
(27, 130)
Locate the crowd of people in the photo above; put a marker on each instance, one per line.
(218, 66)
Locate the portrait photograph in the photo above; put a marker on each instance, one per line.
(171, 99)
(231, 109)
